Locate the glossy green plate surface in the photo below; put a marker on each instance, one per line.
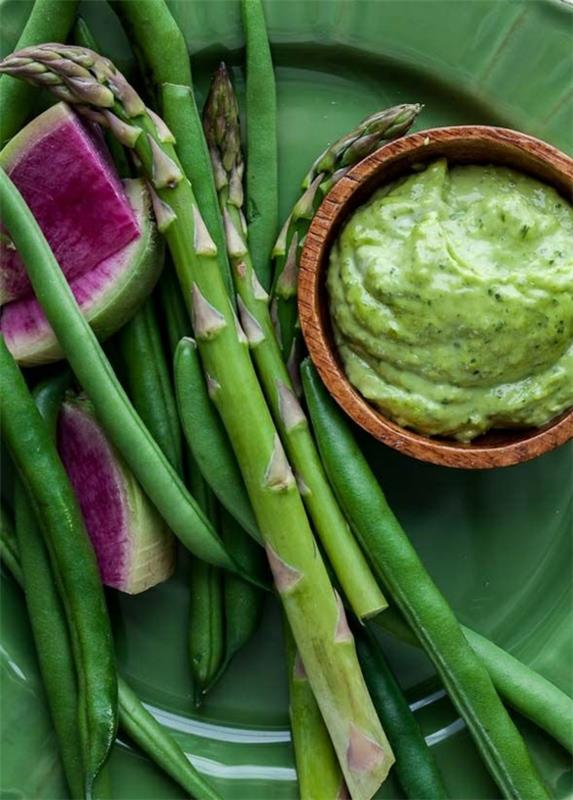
(498, 543)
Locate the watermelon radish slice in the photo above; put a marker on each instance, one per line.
(60, 165)
(108, 295)
(134, 547)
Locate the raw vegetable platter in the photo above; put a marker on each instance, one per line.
(498, 544)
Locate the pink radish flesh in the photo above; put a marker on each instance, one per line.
(108, 294)
(60, 165)
(134, 549)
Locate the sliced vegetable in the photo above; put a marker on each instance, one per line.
(60, 164)
(134, 547)
(91, 367)
(107, 295)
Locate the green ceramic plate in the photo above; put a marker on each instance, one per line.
(498, 543)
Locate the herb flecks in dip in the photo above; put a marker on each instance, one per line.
(451, 294)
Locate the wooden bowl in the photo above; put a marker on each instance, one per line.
(463, 144)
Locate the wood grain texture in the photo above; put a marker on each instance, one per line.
(459, 144)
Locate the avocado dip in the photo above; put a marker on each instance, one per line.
(451, 296)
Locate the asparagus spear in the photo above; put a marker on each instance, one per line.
(221, 123)
(314, 611)
(328, 168)
(317, 769)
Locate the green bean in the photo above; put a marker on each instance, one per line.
(34, 453)
(146, 378)
(416, 768)
(243, 601)
(174, 319)
(134, 719)
(51, 639)
(525, 690)
(207, 438)
(160, 45)
(317, 768)
(206, 607)
(115, 413)
(49, 21)
(204, 432)
(9, 546)
(417, 597)
(262, 166)
(146, 732)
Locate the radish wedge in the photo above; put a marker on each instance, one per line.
(108, 294)
(134, 548)
(64, 172)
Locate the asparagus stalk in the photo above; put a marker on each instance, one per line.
(317, 769)
(221, 123)
(164, 61)
(314, 611)
(328, 168)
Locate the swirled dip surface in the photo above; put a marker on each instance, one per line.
(451, 295)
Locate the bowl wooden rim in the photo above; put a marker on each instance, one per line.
(465, 143)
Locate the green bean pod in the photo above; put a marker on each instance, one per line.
(525, 690)
(417, 597)
(93, 371)
(146, 732)
(243, 601)
(206, 607)
(206, 626)
(9, 546)
(416, 768)
(134, 719)
(207, 438)
(262, 148)
(49, 21)
(317, 769)
(34, 453)
(146, 377)
(174, 319)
